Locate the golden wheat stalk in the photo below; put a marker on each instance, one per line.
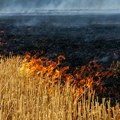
(27, 98)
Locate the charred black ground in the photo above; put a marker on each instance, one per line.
(80, 38)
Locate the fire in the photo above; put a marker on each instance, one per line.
(87, 77)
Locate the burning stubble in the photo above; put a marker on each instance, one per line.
(32, 97)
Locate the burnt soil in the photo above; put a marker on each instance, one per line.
(80, 38)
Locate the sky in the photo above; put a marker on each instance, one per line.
(31, 5)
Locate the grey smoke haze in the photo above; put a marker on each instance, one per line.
(32, 5)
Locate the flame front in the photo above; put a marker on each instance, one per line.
(86, 77)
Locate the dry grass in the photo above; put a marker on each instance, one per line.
(29, 98)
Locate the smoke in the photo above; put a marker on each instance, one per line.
(31, 22)
(34, 5)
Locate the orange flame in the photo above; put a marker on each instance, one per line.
(85, 77)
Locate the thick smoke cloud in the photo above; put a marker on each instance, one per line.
(32, 5)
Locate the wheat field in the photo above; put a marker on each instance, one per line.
(25, 97)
